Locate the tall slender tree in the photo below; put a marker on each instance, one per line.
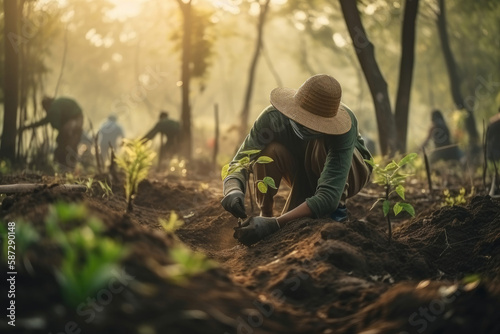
(405, 72)
(186, 9)
(245, 111)
(9, 134)
(365, 51)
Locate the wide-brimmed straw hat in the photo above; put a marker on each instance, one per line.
(316, 105)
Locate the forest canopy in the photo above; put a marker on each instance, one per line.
(125, 57)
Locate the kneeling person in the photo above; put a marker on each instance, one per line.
(317, 150)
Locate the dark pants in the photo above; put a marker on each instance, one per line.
(302, 176)
(66, 152)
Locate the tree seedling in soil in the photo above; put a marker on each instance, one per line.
(246, 163)
(106, 189)
(136, 160)
(187, 263)
(89, 258)
(392, 179)
(172, 224)
(88, 185)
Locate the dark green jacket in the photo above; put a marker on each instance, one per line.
(166, 126)
(273, 126)
(61, 110)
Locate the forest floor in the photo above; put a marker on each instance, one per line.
(440, 273)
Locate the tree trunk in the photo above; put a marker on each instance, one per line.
(376, 82)
(9, 133)
(185, 78)
(251, 74)
(405, 72)
(455, 80)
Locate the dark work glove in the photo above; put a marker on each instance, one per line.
(255, 229)
(234, 202)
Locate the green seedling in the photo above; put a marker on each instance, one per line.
(89, 258)
(450, 200)
(246, 164)
(136, 160)
(88, 183)
(187, 263)
(106, 189)
(172, 224)
(392, 179)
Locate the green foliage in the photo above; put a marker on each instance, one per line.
(89, 258)
(106, 189)
(265, 184)
(135, 160)
(25, 236)
(450, 200)
(203, 38)
(172, 224)
(88, 185)
(246, 163)
(5, 167)
(187, 263)
(392, 178)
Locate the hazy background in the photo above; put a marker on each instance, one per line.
(123, 57)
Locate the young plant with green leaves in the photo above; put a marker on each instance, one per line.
(89, 258)
(172, 224)
(187, 263)
(392, 178)
(106, 189)
(246, 164)
(135, 161)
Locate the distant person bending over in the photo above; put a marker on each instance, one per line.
(317, 150)
(171, 129)
(109, 133)
(440, 136)
(64, 115)
(493, 150)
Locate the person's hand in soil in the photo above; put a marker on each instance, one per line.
(234, 202)
(255, 229)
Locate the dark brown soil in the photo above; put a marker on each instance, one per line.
(312, 276)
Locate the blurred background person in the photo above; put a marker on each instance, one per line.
(65, 115)
(109, 134)
(444, 149)
(168, 128)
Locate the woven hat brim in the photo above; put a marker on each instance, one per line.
(283, 100)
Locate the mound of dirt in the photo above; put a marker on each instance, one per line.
(430, 307)
(458, 240)
(312, 276)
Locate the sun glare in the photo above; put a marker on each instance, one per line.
(125, 8)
